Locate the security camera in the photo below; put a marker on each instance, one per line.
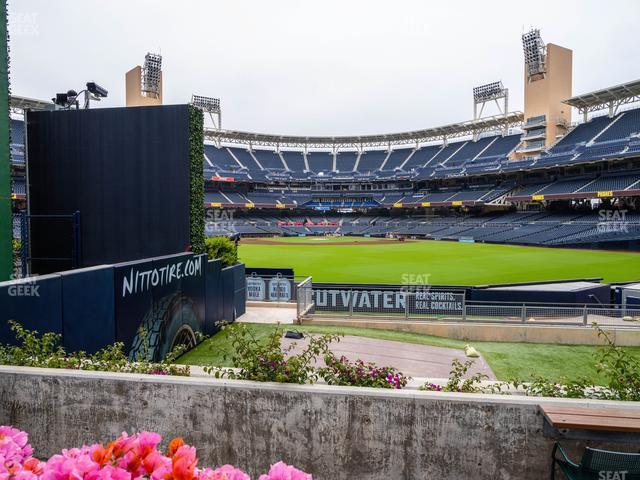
(97, 90)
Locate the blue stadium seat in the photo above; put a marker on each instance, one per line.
(371, 160)
(320, 161)
(295, 161)
(269, 159)
(346, 161)
(397, 158)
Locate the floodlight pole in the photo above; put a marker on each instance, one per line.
(218, 124)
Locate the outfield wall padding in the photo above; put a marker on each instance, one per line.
(146, 304)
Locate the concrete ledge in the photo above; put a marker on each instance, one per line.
(272, 304)
(492, 332)
(332, 432)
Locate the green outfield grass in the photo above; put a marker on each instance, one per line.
(437, 262)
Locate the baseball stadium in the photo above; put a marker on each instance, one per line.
(489, 268)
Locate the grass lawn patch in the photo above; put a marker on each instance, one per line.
(507, 360)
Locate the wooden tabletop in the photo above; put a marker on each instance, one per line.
(584, 418)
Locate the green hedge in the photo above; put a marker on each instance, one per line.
(223, 249)
(196, 165)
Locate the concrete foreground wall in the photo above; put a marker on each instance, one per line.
(331, 432)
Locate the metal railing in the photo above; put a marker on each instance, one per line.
(304, 297)
(452, 307)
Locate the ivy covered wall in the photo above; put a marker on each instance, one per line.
(196, 161)
(5, 158)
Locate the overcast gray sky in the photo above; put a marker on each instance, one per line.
(332, 67)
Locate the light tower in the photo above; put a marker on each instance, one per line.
(144, 84)
(211, 106)
(547, 82)
(491, 92)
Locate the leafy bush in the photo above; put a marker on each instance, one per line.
(457, 383)
(620, 369)
(340, 371)
(34, 350)
(266, 361)
(223, 249)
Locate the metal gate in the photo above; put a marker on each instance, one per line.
(58, 243)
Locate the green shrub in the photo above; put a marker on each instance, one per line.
(341, 371)
(223, 249)
(266, 361)
(620, 369)
(34, 350)
(457, 382)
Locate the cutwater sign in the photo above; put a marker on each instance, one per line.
(438, 301)
(420, 302)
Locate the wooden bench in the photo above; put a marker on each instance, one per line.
(596, 424)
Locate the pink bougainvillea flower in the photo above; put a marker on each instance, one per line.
(147, 442)
(14, 445)
(282, 471)
(174, 445)
(184, 463)
(134, 457)
(225, 472)
(24, 475)
(33, 465)
(109, 472)
(70, 465)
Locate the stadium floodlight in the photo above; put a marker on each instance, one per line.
(206, 104)
(209, 105)
(490, 91)
(534, 52)
(151, 74)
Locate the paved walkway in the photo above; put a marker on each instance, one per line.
(284, 315)
(410, 358)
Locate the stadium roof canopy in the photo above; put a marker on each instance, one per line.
(454, 130)
(611, 98)
(25, 103)
(468, 128)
